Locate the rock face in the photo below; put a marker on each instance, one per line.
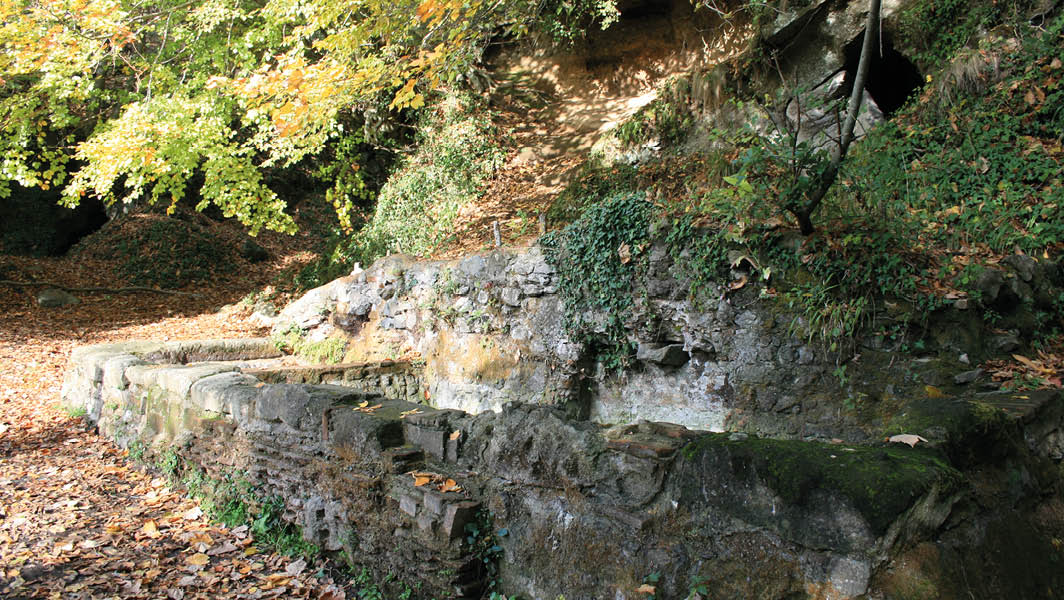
(490, 330)
(560, 507)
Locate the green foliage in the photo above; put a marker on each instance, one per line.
(594, 183)
(234, 501)
(594, 273)
(329, 351)
(982, 169)
(567, 21)
(921, 203)
(667, 119)
(701, 255)
(456, 153)
(935, 29)
(482, 541)
(136, 101)
(75, 412)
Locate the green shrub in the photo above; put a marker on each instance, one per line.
(457, 151)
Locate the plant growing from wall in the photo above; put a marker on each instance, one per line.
(598, 258)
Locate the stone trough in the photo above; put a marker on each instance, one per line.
(571, 507)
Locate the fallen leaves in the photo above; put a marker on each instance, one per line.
(150, 529)
(76, 519)
(441, 483)
(364, 407)
(1031, 373)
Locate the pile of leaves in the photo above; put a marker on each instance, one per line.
(168, 251)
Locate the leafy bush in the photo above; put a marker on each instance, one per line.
(456, 152)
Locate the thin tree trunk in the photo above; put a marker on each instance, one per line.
(805, 211)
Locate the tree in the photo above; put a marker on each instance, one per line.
(131, 100)
(806, 200)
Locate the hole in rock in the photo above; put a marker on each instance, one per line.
(892, 78)
(33, 223)
(642, 9)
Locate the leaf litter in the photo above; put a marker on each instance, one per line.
(78, 518)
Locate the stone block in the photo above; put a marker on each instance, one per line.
(434, 502)
(510, 296)
(426, 522)
(452, 450)
(431, 440)
(671, 355)
(402, 459)
(457, 516)
(408, 504)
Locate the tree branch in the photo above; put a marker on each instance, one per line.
(104, 290)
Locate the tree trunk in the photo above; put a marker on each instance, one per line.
(804, 211)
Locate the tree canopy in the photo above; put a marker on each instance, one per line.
(141, 99)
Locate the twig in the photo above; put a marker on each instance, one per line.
(94, 289)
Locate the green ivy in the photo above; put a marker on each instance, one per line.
(598, 258)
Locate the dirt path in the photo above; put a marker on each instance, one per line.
(78, 518)
(556, 105)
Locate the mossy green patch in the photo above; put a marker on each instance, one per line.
(881, 482)
(329, 351)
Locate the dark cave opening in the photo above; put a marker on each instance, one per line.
(892, 78)
(32, 222)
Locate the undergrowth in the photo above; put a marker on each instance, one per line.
(329, 351)
(457, 149)
(234, 501)
(949, 187)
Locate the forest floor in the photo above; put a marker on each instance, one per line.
(78, 518)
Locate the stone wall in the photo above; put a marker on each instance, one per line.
(490, 330)
(576, 508)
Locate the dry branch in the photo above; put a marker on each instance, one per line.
(102, 290)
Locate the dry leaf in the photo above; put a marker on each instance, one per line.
(199, 559)
(224, 548)
(150, 529)
(906, 438)
(193, 514)
(646, 588)
(457, 434)
(407, 413)
(1036, 365)
(295, 568)
(625, 252)
(420, 480)
(738, 283)
(450, 486)
(934, 393)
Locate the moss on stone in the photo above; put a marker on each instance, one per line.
(881, 482)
